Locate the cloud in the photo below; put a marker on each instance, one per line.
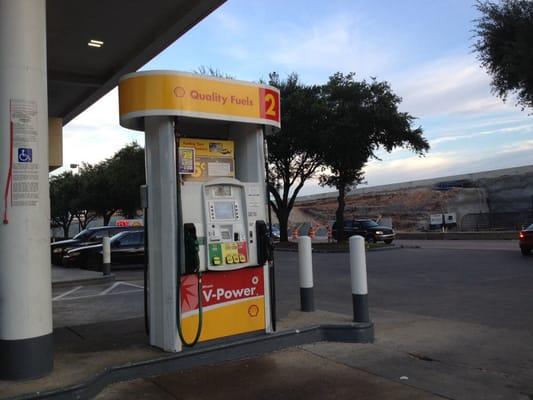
(450, 85)
(226, 21)
(337, 42)
(408, 168)
(525, 146)
(520, 129)
(96, 133)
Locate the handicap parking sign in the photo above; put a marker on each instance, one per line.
(25, 155)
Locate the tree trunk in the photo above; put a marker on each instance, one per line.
(66, 228)
(339, 214)
(283, 219)
(87, 218)
(107, 217)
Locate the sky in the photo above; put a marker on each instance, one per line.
(424, 49)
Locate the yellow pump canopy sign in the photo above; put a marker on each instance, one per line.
(158, 93)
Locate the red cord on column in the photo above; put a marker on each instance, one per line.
(10, 172)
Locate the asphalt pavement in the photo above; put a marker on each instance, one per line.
(452, 319)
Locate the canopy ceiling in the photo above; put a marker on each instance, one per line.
(132, 31)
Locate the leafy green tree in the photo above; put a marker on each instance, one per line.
(293, 152)
(114, 183)
(96, 188)
(64, 192)
(362, 117)
(126, 174)
(505, 47)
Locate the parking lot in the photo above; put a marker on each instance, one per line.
(454, 319)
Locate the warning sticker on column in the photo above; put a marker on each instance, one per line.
(25, 141)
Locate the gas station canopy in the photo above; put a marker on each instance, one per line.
(90, 45)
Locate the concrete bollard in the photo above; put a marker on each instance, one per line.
(106, 255)
(305, 271)
(358, 279)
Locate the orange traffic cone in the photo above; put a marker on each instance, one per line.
(330, 234)
(295, 233)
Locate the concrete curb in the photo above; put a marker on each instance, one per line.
(217, 353)
(87, 281)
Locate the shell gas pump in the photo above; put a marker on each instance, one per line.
(210, 270)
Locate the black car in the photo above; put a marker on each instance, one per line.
(85, 237)
(126, 248)
(367, 228)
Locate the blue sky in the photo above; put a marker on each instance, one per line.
(423, 48)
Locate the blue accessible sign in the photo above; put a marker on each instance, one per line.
(25, 155)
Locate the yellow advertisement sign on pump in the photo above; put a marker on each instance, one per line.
(170, 93)
(213, 158)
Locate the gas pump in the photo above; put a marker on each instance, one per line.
(209, 257)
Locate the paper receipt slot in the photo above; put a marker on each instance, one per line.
(209, 269)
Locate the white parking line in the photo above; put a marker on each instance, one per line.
(106, 292)
(133, 285)
(92, 296)
(66, 293)
(114, 285)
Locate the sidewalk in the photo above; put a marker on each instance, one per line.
(85, 354)
(289, 374)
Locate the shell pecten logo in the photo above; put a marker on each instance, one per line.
(179, 91)
(253, 311)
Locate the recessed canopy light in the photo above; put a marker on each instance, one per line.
(95, 43)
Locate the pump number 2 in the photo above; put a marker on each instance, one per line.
(269, 104)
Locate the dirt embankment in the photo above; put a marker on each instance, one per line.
(408, 209)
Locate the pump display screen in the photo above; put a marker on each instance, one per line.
(224, 210)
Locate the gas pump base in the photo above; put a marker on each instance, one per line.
(219, 351)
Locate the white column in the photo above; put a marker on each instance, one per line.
(106, 255)
(25, 274)
(359, 279)
(305, 273)
(162, 219)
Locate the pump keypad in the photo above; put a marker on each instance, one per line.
(228, 253)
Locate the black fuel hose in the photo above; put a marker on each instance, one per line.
(179, 258)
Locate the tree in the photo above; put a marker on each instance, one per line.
(210, 71)
(113, 184)
(293, 155)
(126, 174)
(505, 47)
(97, 190)
(83, 215)
(362, 118)
(64, 192)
